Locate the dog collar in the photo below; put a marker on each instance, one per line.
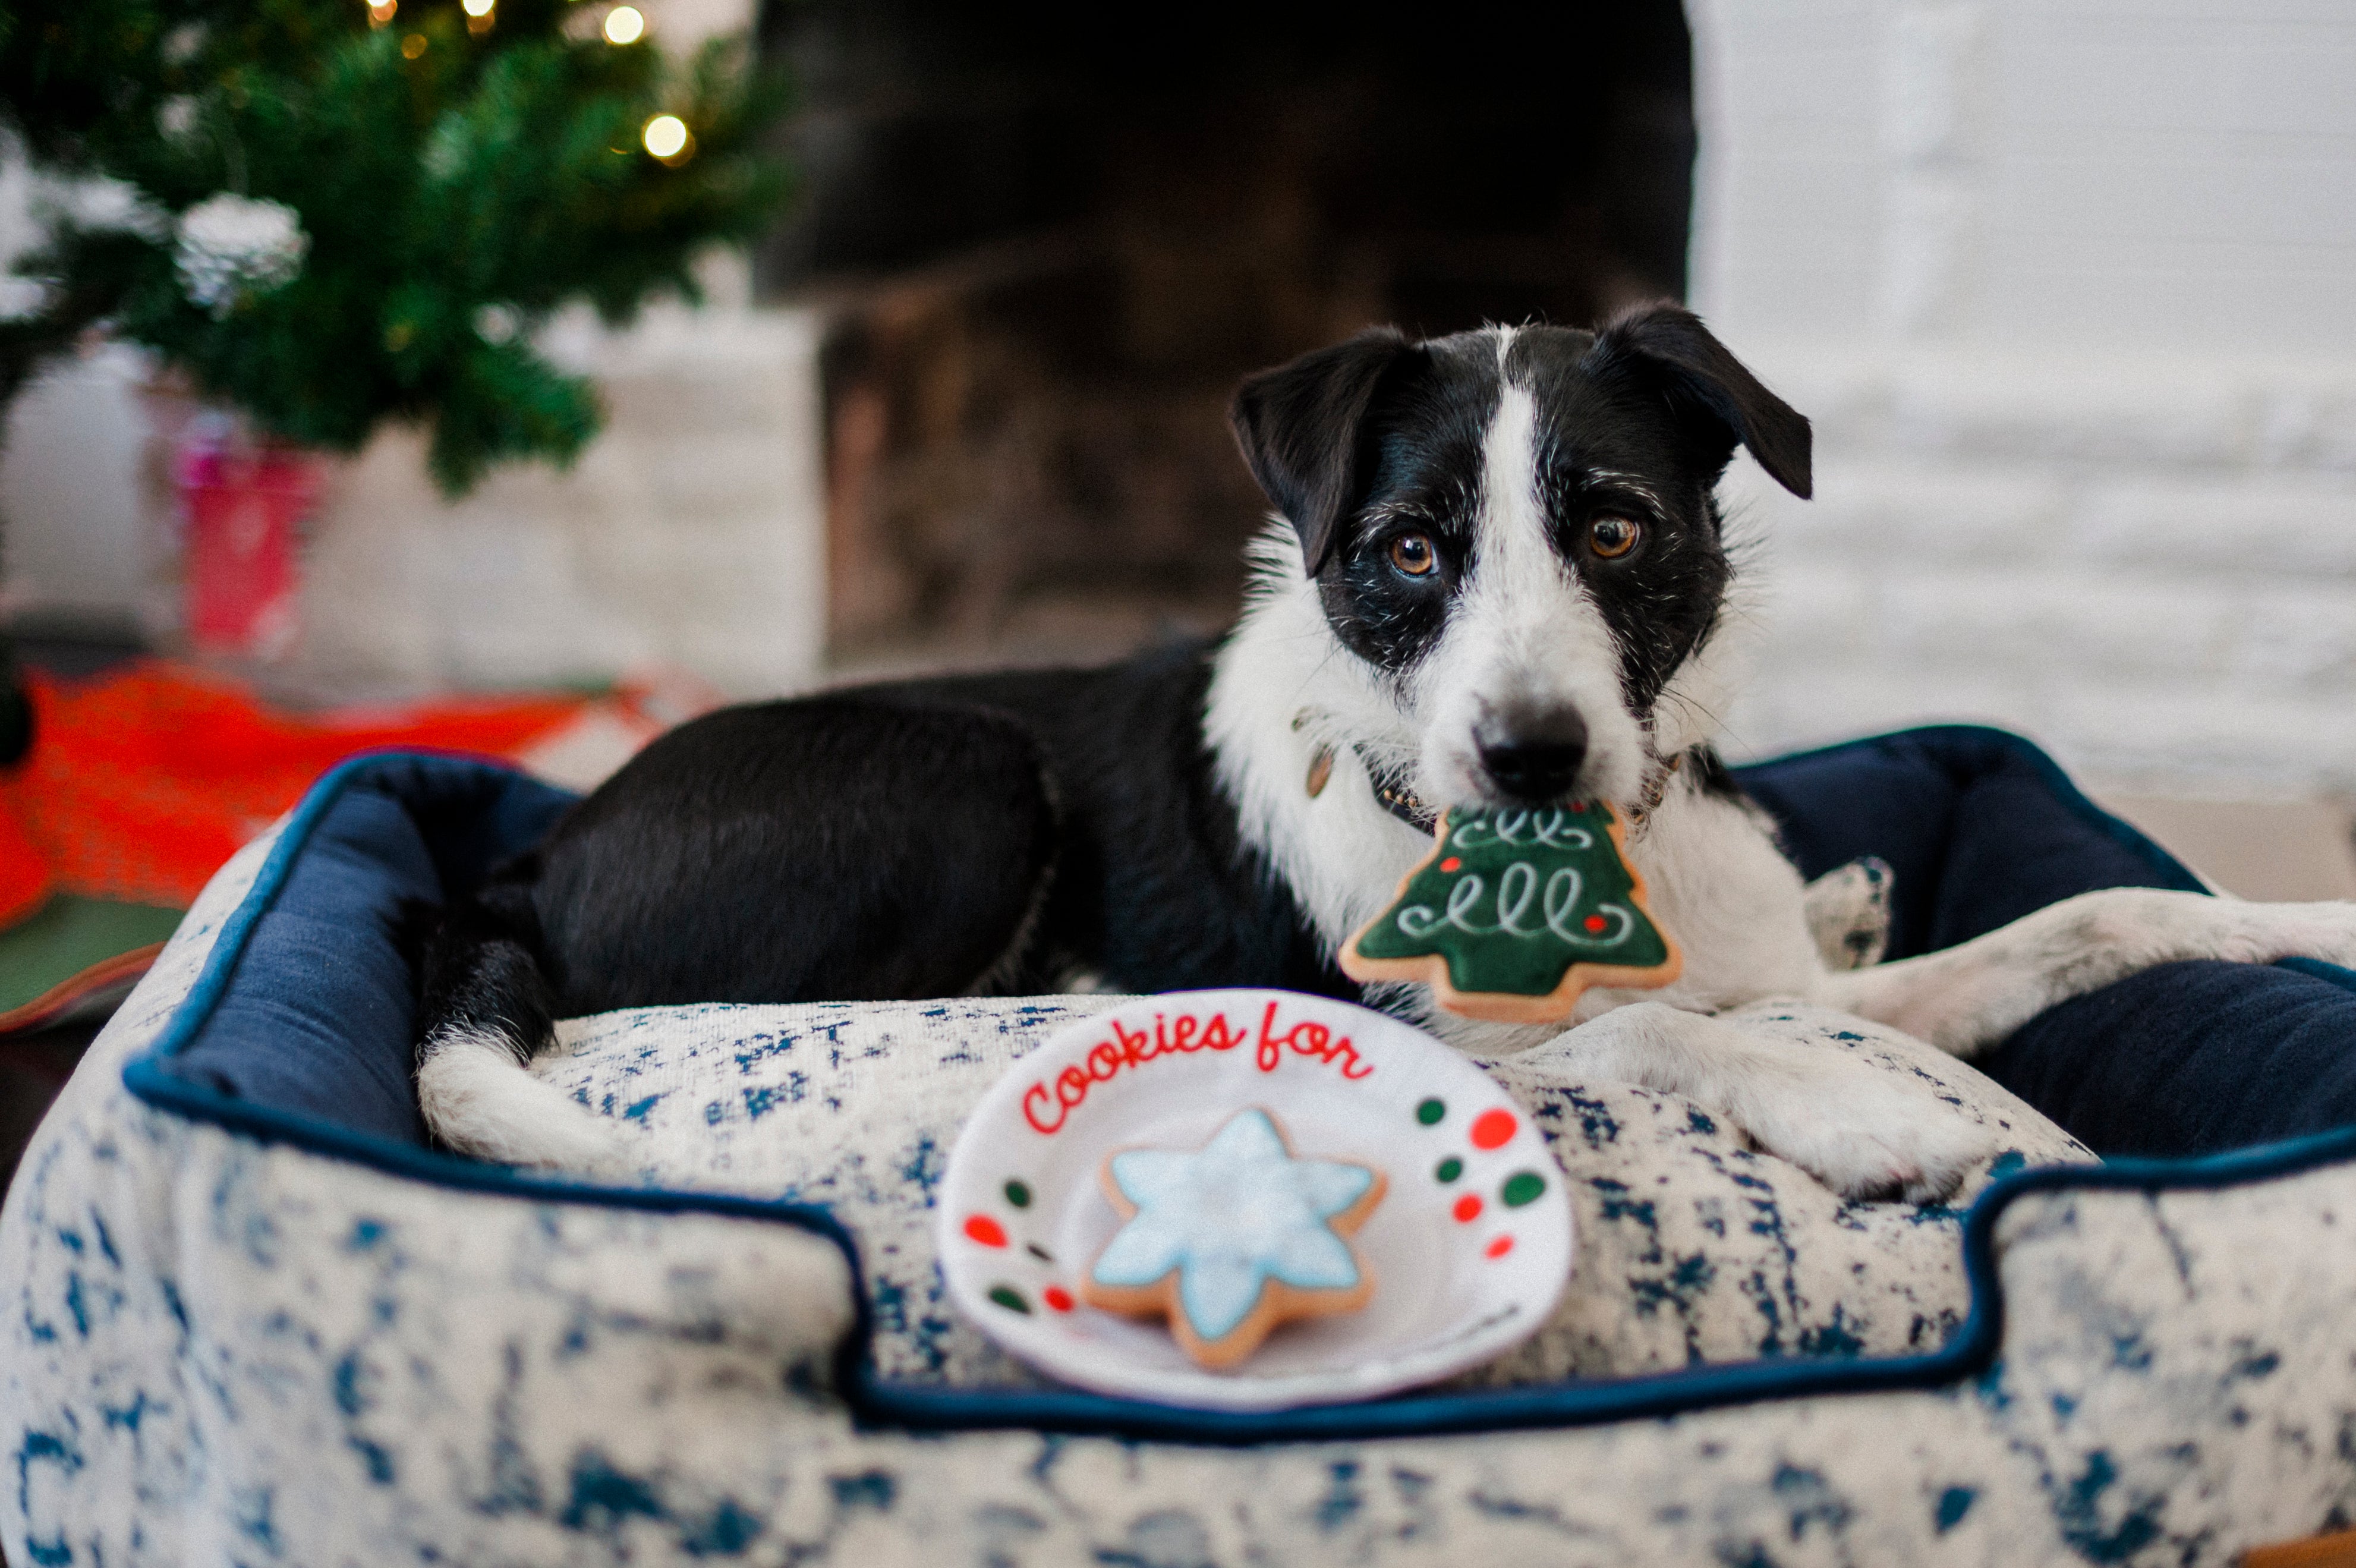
(1397, 799)
(1653, 793)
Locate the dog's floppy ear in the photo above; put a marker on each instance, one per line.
(1299, 426)
(1667, 346)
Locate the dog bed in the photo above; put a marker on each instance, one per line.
(256, 1319)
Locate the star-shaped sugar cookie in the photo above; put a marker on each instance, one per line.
(1234, 1237)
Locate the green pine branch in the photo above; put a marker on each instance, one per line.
(456, 188)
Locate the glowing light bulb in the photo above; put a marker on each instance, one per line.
(477, 7)
(666, 136)
(623, 24)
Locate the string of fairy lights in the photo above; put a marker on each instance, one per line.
(665, 136)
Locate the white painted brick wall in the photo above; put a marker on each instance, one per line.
(2069, 288)
(691, 533)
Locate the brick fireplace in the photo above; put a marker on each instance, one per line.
(1044, 251)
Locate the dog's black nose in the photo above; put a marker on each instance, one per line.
(1535, 759)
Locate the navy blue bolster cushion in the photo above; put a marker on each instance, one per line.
(318, 1015)
(1980, 827)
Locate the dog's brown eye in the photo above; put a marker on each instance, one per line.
(1413, 554)
(1612, 537)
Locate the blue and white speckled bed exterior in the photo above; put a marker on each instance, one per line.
(236, 1336)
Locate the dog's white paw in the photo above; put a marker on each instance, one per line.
(1862, 1133)
(479, 1101)
(1848, 913)
(2264, 932)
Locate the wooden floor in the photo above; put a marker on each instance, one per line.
(2284, 851)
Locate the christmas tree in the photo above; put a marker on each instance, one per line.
(1515, 912)
(330, 213)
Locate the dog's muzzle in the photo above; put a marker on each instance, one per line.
(1533, 759)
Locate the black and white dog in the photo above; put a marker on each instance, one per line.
(1499, 574)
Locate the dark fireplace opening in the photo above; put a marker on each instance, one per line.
(1047, 245)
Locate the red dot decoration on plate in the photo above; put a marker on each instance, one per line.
(1468, 1208)
(1496, 1248)
(1451, 864)
(1490, 1129)
(981, 1227)
(1057, 1297)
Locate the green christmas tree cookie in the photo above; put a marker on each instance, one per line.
(1514, 913)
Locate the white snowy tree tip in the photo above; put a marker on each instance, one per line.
(233, 247)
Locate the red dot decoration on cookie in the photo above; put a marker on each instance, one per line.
(1451, 864)
(1498, 1248)
(1595, 923)
(1468, 1208)
(1490, 1129)
(981, 1227)
(1057, 1298)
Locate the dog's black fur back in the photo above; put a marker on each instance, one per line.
(475, 961)
(925, 838)
(839, 847)
(1153, 888)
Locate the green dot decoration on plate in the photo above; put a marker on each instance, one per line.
(1018, 1194)
(1449, 1169)
(1010, 1298)
(1522, 1186)
(1431, 1111)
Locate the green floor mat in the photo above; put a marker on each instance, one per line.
(68, 936)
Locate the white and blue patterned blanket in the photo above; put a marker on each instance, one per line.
(1693, 1246)
(230, 1338)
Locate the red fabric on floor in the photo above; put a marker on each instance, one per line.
(141, 782)
(24, 880)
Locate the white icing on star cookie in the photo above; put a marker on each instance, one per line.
(1234, 1237)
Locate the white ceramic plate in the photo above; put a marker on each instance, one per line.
(1467, 1258)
